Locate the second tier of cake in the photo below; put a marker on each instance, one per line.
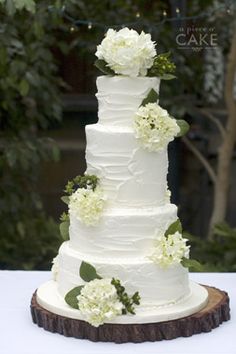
(122, 232)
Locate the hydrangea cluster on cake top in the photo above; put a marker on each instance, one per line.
(126, 52)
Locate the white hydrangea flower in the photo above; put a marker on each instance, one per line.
(98, 302)
(87, 205)
(170, 250)
(126, 52)
(55, 268)
(154, 128)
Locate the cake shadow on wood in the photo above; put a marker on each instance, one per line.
(216, 311)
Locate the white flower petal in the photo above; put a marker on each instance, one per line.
(169, 250)
(126, 52)
(87, 205)
(98, 302)
(154, 128)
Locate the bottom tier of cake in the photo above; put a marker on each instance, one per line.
(157, 286)
(49, 298)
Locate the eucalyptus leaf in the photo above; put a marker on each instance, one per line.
(174, 227)
(166, 54)
(65, 199)
(88, 272)
(64, 230)
(168, 77)
(71, 297)
(184, 127)
(152, 97)
(102, 66)
(192, 264)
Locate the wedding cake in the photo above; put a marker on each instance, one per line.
(125, 260)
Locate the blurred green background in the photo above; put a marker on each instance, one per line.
(47, 88)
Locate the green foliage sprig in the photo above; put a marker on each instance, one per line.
(87, 182)
(125, 299)
(162, 67)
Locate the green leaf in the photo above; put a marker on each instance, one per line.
(24, 87)
(166, 54)
(71, 297)
(192, 264)
(65, 199)
(64, 230)
(184, 127)
(167, 77)
(102, 66)
(174, 227)
(152, 97)
(88, 272)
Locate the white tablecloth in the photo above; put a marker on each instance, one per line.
(18, 335)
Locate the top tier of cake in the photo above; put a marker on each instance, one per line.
(119, 98)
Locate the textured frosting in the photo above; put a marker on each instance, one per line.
(156, 286)
(119, 98)
(134, 182)
(121, 232)
(130, 176)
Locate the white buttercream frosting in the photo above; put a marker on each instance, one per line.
(122, 232)
(119, 98)
(134, 182)
(129, 175)
(156, 286)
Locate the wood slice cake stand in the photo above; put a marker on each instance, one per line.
(216, 311)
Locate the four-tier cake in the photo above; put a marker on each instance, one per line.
(124, 259)
(124, 234)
